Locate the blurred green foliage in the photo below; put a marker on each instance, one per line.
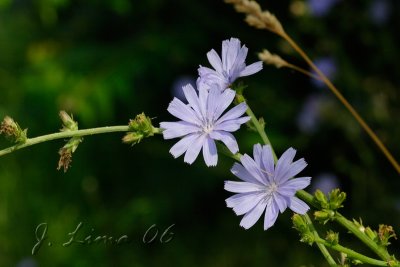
(106, 61)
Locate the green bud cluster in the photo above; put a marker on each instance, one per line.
(328, 204)
(139, 128)
(301, 225)
(332, 237)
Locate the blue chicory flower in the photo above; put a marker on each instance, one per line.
(202, 122)
(379, 11)
(231, 67)
(320, 8)
(266, 186)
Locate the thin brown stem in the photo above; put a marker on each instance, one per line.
(343, 100)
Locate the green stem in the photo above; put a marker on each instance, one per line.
(260, 130)
(321, 247)
(68, 134)
(380, 251)
(351, 253)
(349, 225)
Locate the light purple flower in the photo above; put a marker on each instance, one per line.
(202, 122)
(231, 67)
(379, 11)
(320, 8)
(266, 186)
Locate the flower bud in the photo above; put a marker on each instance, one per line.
(385, 232)
(69, 148)
(139, 128)
(132, 138)
(371, 233)
(336, 199)
(321, 199)
(300, 224)
(323, 216)
(359, 225)
(68, 122)
(12, 130)
(332, 237)
(141, 124)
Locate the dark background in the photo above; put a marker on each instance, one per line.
(106, 61)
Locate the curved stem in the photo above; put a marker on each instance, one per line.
(321, 247)
(303, 71)
(351, 253)
(66, 134)
(343, 100)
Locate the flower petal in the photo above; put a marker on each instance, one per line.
(224, 101)
(251, 69)
(281, 202)
(210, 152)
(234, 113)
(271, 214)
(183, 112)
(239, 171)
(215, 60)
(227, 138)
(231, 125)
(268, 161)
(203, 95)
(194, 149)
(296, 167)
(232, 52)
(241, 187)
(299, 206)
(212, 101)
(193, 99)
(290, 187)
(209, 77)
(252, 168)
(180, 147)
(257, 154)
(177, 129)
(252, 216)
(283, 164)
(246, 203)
(239, 65)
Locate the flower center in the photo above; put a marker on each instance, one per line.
(207, 128)
(272, 188)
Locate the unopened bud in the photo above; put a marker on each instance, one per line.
(139, 128)
(336, 198)
(68, 122)
(371, 233)
(323, 216)
(300, 224)
(12, 130)
(132, 138)
(332, 237)
(321, 199)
